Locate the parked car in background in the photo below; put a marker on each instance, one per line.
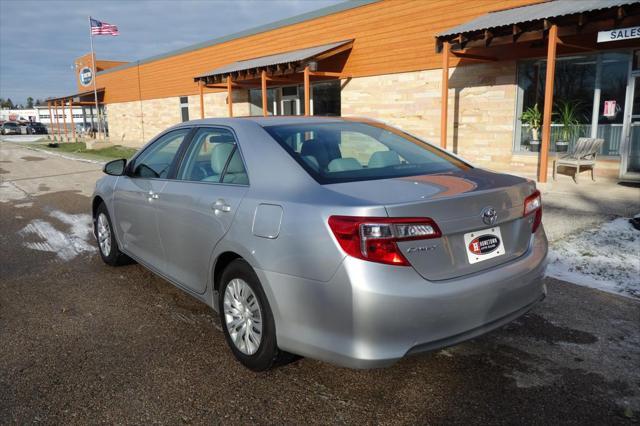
(36, 128)
(10, 128)
(348, 241)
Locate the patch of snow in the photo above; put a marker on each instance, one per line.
(22, 138)
(606, 258)
(66, 245)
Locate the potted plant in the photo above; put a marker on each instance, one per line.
(533, 118)
(567, 113)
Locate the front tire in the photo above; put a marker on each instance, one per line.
(107, 244)
(246, 318)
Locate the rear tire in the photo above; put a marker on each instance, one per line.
(107, 244)
(246, 318)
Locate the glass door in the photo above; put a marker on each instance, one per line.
(290, 100)
(630, 166)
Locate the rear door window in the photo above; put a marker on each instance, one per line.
(213, 156)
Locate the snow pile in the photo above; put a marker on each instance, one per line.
(606, 258)
(66, 245)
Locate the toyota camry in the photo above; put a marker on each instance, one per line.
(344, 240)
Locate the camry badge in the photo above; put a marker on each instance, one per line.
(489, 215)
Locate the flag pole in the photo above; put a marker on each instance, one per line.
(93, 77)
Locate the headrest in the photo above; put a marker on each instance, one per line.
(384, 159)
(344, 164)
(219, 156)
(317, 149)
(311, 160)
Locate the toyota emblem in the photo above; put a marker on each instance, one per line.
(489, 215)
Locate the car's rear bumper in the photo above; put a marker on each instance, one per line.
(371, 315)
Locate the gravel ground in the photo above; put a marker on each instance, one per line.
(85, 343)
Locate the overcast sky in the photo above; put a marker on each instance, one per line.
(39, 40)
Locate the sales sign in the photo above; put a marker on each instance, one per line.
(619, 34)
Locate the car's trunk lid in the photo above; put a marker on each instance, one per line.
(455, 201)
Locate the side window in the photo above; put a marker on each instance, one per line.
(156, 160)
(211, 152)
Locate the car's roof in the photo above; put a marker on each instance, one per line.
(271, 120)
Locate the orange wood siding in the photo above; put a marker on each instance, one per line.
(102, 64)
(81, 62)
(390, 36)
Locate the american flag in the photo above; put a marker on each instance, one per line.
(102, 28)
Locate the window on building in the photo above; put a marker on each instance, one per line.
(184, 108)
(585, 84)
(326, 98)
(289, 100)
(255, 100)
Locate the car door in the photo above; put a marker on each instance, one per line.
(136, 196)
(196, 209)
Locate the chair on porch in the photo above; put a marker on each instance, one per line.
(581, 157)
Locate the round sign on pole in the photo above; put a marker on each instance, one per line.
(85, 76)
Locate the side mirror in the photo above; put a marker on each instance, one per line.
(115, 167)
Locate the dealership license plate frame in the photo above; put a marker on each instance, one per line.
(470, 236)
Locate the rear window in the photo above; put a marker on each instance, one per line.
(10, 125)
(353, 151)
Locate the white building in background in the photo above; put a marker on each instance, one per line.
(19, 114)
(82, 116)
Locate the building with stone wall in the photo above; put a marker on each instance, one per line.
(381, 60)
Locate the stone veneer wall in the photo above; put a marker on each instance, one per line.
(135, 123)
(482, 101)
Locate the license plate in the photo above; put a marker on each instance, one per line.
(483, 245)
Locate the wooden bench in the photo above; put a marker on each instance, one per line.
(581, 157)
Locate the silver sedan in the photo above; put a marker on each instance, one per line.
(347, 241)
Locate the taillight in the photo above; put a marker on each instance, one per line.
(533, 203)
(375, 238)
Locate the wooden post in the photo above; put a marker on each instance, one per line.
(201, 86)
(548, 104)
(73, 124)
(444, 106)
(64, 120)
(265, 109)
(307, 91)
(230, 95)
(55, 107)
(51, 131)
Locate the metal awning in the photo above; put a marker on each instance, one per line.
(291, 58)
(531, 14)
(80, 97)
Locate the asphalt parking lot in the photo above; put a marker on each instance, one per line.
(81, 342)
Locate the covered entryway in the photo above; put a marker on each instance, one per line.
(572, 69)
(299, 82)
(65, 127)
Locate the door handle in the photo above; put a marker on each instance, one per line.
(221, 206)
(152, 196)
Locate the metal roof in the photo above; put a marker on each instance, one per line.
(533, 12)
(99, 90)
(325, 11)
(280, 58)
